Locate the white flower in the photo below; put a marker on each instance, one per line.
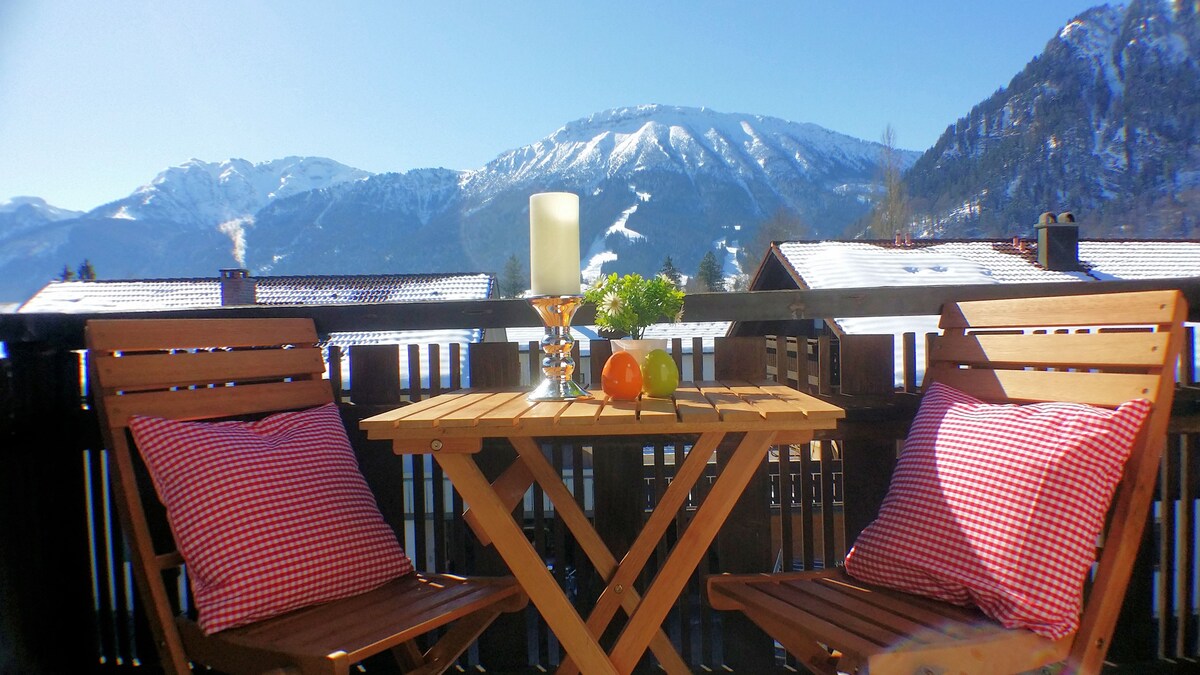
(611, 304)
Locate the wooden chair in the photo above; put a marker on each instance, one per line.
(223, 368)
(833, 623)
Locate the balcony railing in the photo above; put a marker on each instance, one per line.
(68, 600)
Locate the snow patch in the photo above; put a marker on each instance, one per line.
(598, 253)
(618, 227)
(594, 263)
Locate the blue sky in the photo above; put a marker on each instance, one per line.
(97, 97)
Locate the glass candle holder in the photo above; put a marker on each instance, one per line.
(558, 365)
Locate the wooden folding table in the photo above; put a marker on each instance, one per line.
(452, 427)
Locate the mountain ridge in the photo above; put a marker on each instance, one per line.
(683, 179)
(1103, 123)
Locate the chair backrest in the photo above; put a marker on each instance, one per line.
(1039, 349)
(190, 369)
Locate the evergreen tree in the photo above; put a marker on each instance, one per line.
(709, 273)
(512, 283)
(86, 271)
(671, 272)
(67, 274)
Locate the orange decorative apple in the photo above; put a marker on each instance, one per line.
(621, 377)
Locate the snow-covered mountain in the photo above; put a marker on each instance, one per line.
(20, 214)
(654, 181)
(186, 222)
(1104, 123)
(693, 142)
(204, 194)
(38, 208)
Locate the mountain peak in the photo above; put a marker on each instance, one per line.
(698, 121)
(694, 142)
(36, 207)
(1094, 30)
(209, 193)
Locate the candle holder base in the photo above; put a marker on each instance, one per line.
(555, 390)
(558, 365)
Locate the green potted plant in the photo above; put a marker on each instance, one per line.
(627, 304)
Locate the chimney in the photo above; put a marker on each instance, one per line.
(237, 287)
(1058, 242)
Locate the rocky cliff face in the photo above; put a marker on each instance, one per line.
(1104, 123)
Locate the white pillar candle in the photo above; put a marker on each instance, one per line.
(554, 243)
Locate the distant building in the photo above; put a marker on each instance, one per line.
(237, 287)
(1056, 256)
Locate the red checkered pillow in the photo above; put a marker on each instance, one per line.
(999, 506)
(269, 515)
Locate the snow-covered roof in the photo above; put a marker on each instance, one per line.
(123, 295)
(1138, 259)
(871, 264)
(844, 264)
(102, 295)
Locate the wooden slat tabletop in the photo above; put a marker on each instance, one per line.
(694, 408)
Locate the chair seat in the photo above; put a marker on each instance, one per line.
(1102, 350)
(883, 630)
(354, 628)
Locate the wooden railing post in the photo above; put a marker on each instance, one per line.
(617, 471)
(494, 364)
(374, 388)
(600, 351)
(910, 363)
(868, 365)
(744, 543)
(825, 365)
(46, 613)
(617, 475)
(375, 374)
(503, 646)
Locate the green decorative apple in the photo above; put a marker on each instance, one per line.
(660, 376)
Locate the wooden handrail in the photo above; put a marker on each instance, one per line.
(748, 306)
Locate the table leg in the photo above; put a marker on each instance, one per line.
(510, 486)
(593, 547)
(691, 546)
(621, 580)
(524, 562)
